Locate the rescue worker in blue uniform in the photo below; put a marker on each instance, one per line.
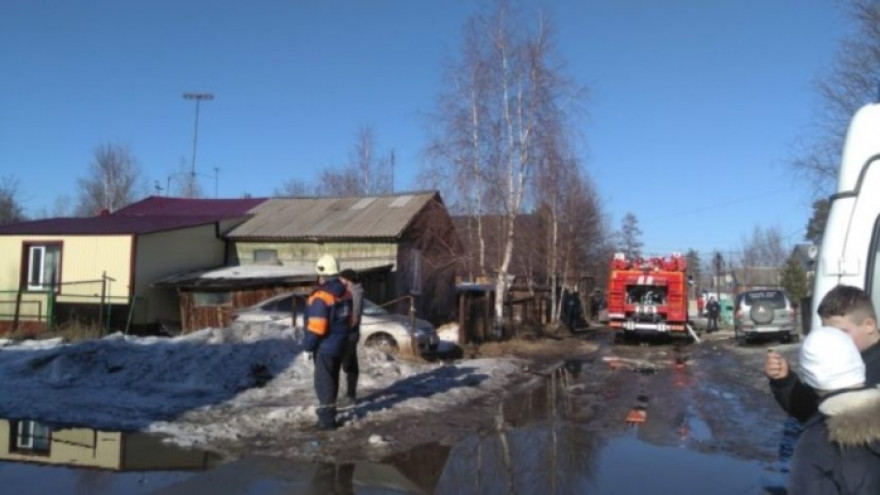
(328, 320)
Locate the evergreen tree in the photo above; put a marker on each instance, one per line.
(793, 279)
(631, 237)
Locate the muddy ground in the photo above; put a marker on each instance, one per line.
(595, 383)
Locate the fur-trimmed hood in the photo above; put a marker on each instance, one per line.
(853, 417)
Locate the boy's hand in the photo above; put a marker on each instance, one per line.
(775, 366)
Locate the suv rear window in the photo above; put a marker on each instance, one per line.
(773, 298)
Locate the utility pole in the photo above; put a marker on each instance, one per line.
(216, 179)
(198, 97)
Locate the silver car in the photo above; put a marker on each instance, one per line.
(379, 328)
(764, 313)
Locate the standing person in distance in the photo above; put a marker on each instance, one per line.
(850, 310)
(713, 309)
(328, 321)
(349, 357)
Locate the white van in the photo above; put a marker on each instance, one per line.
(851, 241)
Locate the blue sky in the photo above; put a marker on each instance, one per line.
(694, 106)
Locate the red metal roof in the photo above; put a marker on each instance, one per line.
(153, 214)
(219, 208)
(110, 224)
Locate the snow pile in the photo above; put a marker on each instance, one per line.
(216, 383)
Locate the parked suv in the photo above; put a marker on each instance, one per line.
(379, 328)
(764, 313)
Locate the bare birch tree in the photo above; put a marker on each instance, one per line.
(572, 215)
(293, 188)
(112, 183)
(764, 248)
(851, 83)
(460, 148)
(506, 91)
(367, 172)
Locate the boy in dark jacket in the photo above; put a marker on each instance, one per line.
(839, 448)
(848, 309)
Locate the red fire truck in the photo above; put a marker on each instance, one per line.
(648, 295)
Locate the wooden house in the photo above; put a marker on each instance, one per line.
(410, 232)
(208, 298)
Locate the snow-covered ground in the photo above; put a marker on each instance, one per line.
(217, 384)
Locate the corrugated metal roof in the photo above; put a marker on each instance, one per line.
(159, 205)
(245, 275)
(248, 276)
(109, 224)
(329, 218)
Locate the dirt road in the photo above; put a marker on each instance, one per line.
(712, 393)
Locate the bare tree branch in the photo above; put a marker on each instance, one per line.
(10, 202)
(851, 83)
(112, 181)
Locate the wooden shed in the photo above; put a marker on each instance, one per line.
(208, 298)
(412, 232)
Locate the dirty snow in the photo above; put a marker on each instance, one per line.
(216, 384)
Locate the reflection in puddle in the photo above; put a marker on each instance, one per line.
(673, 470)
(38, 457)
(27, 440)
(695, 429)
(551, 453)
(537, 445)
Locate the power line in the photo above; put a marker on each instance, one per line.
(715, 206)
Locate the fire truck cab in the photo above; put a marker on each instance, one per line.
(648, 295)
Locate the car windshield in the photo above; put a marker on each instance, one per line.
(773, 298)
(373, 309)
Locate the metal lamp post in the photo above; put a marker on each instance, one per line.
(198, 97)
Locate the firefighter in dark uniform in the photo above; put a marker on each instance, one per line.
(328, 319)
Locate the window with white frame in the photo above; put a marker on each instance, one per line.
(32, 436)
(43, 266)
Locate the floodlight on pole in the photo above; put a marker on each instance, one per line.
(198, 97)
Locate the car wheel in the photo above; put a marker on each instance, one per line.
(384, 343)
(739, 337)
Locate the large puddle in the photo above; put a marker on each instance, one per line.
(41, 458)
(539, 445)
